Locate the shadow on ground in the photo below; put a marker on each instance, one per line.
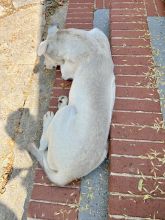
(10, 215)
(23, 172)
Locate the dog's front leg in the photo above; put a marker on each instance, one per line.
(68, 70)
(46, 122)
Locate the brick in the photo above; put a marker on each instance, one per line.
(107, 4)
(135, 148)
(130, 51)
(80, 15)
(131, 70)
(99, 4)
(132, 60)
(136, 92)
(125, 11)
(55, 194)
(59, 82)
(79, 20)
(79, 11)
(137, 105)
(126, 5)
(160, 7)
(126, 1)
(125, 184)
(128, 26)
(130, 118)
(128, 34)
(58, 92)
(114, 218)
(139, 43)
(150, 7)
(81, 6)
(53, 109)
(80, 1)
(137, 19)
(41, 178)
(136, 133)
(53, 102)
(80, 26)
(131, 80)
(63, 84)
(58, 74)
(131, 206)
(134, 166)
(51, 211)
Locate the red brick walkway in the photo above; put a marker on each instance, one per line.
(137, 181)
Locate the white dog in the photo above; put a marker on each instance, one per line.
(74, 140)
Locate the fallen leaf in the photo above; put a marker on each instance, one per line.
(140, 185)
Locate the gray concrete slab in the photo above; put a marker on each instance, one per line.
(101, 20)
(94, 194)
(94, 187)
(157, 34)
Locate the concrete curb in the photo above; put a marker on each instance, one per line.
(157, 30)
(94, 187)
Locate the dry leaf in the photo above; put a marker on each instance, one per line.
(5, 171)
(140, 185)
(146, 197)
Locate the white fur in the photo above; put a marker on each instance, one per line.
(42, 48)
(74, 140)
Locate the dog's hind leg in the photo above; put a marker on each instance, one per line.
(46, 122)
(54, 175)
(58, 177)
(62, 101)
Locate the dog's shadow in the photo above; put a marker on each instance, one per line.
(6, 213)
(21, 126)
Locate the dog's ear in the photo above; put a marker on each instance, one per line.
(42, 48)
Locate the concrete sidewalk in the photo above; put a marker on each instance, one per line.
(24, 97)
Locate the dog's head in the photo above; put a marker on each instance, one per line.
(49, 48)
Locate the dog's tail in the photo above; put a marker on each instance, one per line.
(39, 155)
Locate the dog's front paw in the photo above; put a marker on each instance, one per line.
(62, 101)
(48, 117)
